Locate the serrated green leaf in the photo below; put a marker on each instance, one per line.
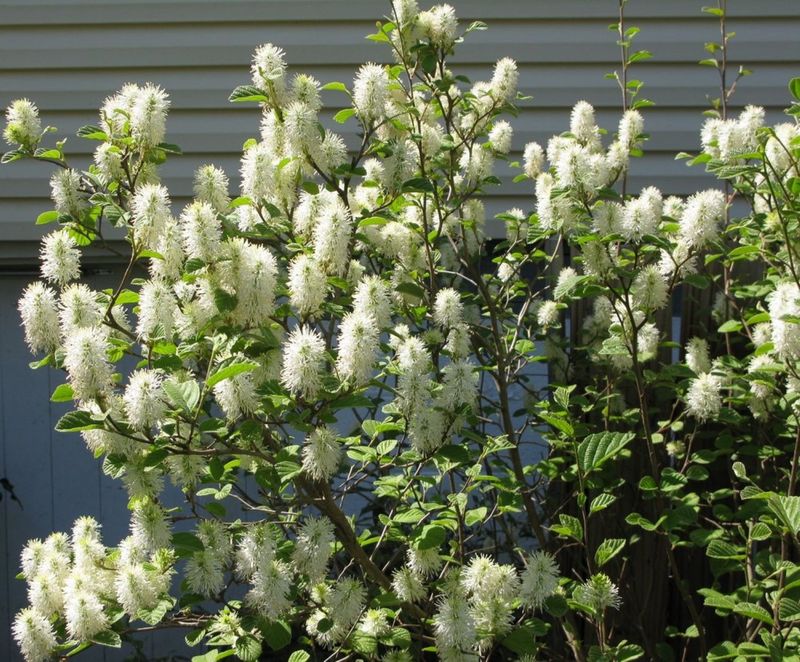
(77, 421)
(607, 550)
(230, 371)
(597, 449)
(47, 217)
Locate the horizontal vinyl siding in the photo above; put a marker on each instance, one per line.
(68, 56)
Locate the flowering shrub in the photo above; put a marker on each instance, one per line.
(342, 355)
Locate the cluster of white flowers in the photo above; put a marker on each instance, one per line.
(76, 578)
(23, 126)
(731, 139)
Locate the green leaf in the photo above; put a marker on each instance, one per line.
(343, 115)
(91, 132)
(475, 516)
(277, 634)
(184, 395)
(752, 610)
(719, 549)
(299, 656)
(248, 648)
(108, 638)
(569, 527)
(607, 550)
(417, 185)
(410, 288)
(598, 448)
(63, 393)
(186, 543)
(787, 509)
(230, 371)
(248, 93)
(156, 614)
(47, 217)
(794, 88)
(336, 86)
(224, 301)
(731, 326)
(522, 640)
(601, 502)
(77, 421)
(432, 537)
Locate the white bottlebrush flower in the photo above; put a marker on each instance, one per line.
(201, 231)
(269, 70)
(330, 153)
(374, 623)
(65, 191)
(301, 123)
(331, 239)
(459, 385)
(407, 585)
(157, 307)
(642, 215)
(709, 135)
(650, 290)
(149, 116)
(539, 580)
(258, 171)
(34, 635)
(702, 216)
(372, 298)
(144, 399)
(476, 164)
(308, 211)
(60, 257)
(135, 588)
(249, 272)
(782, 303)
(697, 357)
(358, 348)
(631, 125)
(150, 212)
(547, 315)
(117, 108)
(108, 159)
(39, 312)
(150, 530)
(211, 186)
(426, 426)
(447, 308)
(505, 76)
(439, 24)
(23, 126)
(582, 125)
(424, 562)
(370, 91)
(599, 593)
(83, 612)
(500, 136)
(88, 370)
(778, 151)
(704, 397)
(215, 536)
(303, 362)
(313, 547)
(485, 579)
(170, 247)
(205, 574)
(453, 624)
(322, 453)
(255, 550)
(272, 584)
(305, 88)
(237, 395)
(307, 285)
(345, 602)
(533, 159)
(46, 591)
(79, 307)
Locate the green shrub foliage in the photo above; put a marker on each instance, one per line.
(395, 438)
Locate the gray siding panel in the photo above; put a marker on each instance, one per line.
(68, 56)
